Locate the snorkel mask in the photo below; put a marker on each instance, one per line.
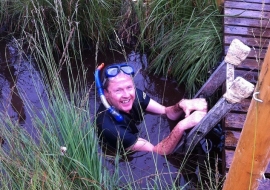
(111, 71)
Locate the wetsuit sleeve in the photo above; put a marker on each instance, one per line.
(142, 98)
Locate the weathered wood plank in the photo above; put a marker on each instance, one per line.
(247, 5)
(257, 53)
(217, 78)
(249, 22)
(250, 76)
(246, 13)
(249, 41)
(251, 1)
(242, 106)
(234, 121)
(231, 139)
(251, 64)
(246, 31)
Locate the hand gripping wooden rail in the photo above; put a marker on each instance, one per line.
(237, 90)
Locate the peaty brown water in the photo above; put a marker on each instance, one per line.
(18, 75)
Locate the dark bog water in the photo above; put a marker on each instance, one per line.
(18, 79)
(140, 166)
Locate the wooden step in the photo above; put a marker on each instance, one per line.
(234, 121)
(246, 31)
(251, 76)
(257, 42)
(231, 139)
(242, 107)
(243, 13)
(247, 5)
(253, 54)
(251, 64)
(249, 1)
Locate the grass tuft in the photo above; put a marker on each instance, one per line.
(184, 38)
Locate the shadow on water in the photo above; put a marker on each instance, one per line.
(18, 75)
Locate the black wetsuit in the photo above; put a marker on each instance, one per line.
(122, 134)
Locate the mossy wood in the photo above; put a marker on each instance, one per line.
(251, 156)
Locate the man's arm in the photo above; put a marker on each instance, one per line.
(167, 145)
(155, 107)
(174, 112)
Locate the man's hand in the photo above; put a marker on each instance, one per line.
(191, 120)
(186, 106)
(197, 104)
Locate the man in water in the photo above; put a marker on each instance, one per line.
(131, 103)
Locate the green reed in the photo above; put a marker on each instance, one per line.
(38, 163)
(95, 19)
(185, 40)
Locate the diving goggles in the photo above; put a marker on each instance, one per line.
(114, 70)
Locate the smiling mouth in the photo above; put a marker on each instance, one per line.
(125, 101)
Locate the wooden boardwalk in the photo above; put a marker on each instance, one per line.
(248, 21)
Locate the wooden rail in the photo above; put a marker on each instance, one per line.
(248, 21)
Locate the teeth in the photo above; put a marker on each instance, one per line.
(126, 101)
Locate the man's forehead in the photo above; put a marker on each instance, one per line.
(121, 77)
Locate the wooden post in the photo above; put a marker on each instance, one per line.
(251, 156)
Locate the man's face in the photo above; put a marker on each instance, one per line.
(121, 92)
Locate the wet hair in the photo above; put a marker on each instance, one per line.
(104, 80)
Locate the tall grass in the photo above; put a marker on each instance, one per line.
(95, 19)
(182, 37)
(29, 162)
(185, 40)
